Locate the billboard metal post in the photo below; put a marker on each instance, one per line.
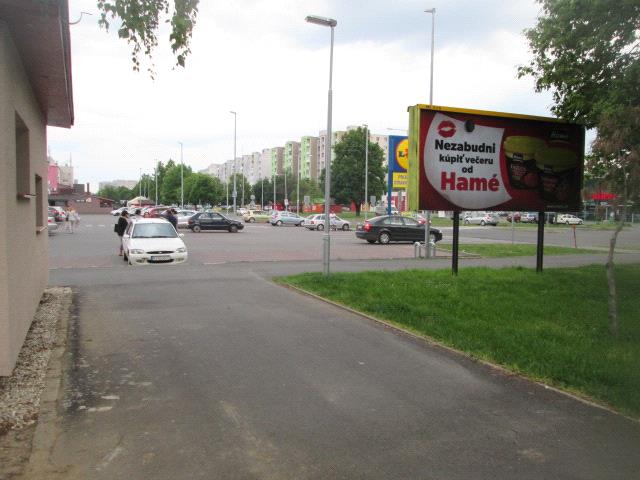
(456, 236)
(540, 246)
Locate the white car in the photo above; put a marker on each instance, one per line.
(153, 241)
(118, 211)
(52, 226)
(569, 219)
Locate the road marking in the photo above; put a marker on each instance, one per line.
(214, 263)
(101, 225)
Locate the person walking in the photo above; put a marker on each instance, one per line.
(120, 228)
(170, 216)
(74, 219)
(67, 220)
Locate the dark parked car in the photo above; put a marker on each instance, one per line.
(213, 221)
(395, 228)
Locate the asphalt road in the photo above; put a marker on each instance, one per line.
(209, 370)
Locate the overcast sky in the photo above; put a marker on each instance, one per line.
(261, 59)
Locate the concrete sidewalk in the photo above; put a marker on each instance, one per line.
(215, 372)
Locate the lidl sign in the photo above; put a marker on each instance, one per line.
(398, 160)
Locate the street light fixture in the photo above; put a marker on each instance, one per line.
(366, 170)
(234, 194)
(326, 251)
(181, 178)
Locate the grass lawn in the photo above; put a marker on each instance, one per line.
(515, 250)
(551, 327)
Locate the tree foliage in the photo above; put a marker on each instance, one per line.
(116, 193)
(348, 169)
(138, 21)
(588, 53)
(172, 182)
(201, 189)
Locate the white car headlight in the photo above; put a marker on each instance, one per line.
(136, 251)
(181, 250)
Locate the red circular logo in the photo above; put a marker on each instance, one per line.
(446, 129)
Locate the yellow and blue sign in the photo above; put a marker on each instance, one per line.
(398, 161)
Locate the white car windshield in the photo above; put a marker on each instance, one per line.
(154, 230)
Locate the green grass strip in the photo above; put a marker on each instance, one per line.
(551, 327)
(515, 250)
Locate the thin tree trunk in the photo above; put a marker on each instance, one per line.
(611, 279)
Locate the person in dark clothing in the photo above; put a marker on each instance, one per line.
(121, 226)
(171, 217)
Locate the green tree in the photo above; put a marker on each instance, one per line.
(200, 189)
(116, 193)
(348, 169)
(171, 183)
(587, 53)
(138, 21)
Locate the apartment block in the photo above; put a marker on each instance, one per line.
(291, 157)
(277, 161)
(309, 157)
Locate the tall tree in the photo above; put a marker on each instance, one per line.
(200, 189)
(171, 183)
(138, 22)
(587, 52)
(348, 169)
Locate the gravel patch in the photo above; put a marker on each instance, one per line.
(20, 393)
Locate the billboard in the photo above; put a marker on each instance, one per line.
(476, 160)
(398, 161)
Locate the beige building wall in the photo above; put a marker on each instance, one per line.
(24, 268)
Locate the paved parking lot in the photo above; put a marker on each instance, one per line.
(95, 244)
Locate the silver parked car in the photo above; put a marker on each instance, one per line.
(316, 222)
(280, 218)
(481, 218)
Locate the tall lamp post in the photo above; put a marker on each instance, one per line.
(298, 189)
(432, 11)
(234, 193)
(366, 170)
(326, 251)
(181, 178)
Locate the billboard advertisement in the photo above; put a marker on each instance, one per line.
(477, 160)
(398, 161)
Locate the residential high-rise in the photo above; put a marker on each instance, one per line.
(309, 157)
(265, 163)
(277, 161)
(291, 157)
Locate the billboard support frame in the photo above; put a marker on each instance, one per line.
(456, 242)
(540, 243)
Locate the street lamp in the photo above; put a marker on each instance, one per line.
(235, 193)
(366, 169)
(298, 190)
(432, 11)
(326, 251)
(181, 178)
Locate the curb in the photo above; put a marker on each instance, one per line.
(47, 426)
(435, 343)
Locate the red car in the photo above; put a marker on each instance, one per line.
(155, 212)
(516, 217)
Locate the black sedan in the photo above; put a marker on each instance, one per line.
(213, 221)
(394, 228)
